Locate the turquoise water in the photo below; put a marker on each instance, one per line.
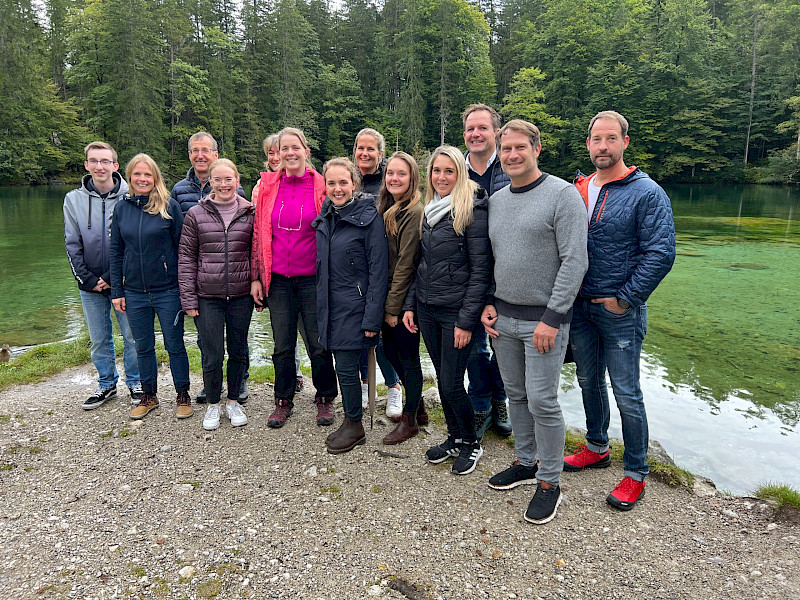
(720, 371)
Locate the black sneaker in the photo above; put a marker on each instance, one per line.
(447, 449)
(468, 458)
(201, 397)
(513, 476)
(99, 397)
(542, 508)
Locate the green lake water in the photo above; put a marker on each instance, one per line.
(720, 371)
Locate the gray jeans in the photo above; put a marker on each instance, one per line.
(531, 380)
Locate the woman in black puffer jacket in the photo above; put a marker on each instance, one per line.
(352, 279)
(449, 293)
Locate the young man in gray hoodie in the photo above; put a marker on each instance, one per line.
(537, 227)
(87, 236)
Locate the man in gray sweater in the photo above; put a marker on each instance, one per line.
(537, 227)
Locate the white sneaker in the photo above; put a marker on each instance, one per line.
(364, 395)
(235, 413)
(211, 420)
(394, 403)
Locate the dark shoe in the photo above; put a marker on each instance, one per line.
(542, 508)
(332, 436)
(148, 403)
(422, 414)
(183, 409)
(351, 435)
(482, 422)
(244, 393)
(324, 411)
(467, 458)
(447, 449)
(406, 429)
(500, 420)
(136, 393)
(627, 493)
(513, 476)
(99, 397)
(283, 408)
(201, 397)
(299, 385)
(586, 459)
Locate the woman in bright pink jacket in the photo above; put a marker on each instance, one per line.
(284, 268)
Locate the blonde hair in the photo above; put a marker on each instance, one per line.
(388, 205)
(100, 146)
(158, 204)
(303, 141)
(610, 114)
(224, 162)
(463, 194)
(341, 161)
(270, 141)
(378, 139)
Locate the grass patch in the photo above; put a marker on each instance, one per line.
(42, 361)
(780, 494)
(5, 419)
(209, 589)
(376, 489)
(34, 449)
(160, 588)
(330, 489)
(7, 466)
(194, 484)
(138, 571)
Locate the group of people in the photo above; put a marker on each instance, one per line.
(496, 269)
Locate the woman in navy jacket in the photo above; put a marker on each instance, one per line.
(145, 233)
(449, 292)
(352, 280)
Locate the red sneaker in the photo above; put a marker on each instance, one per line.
(627, 493)
(283, 408)
(324, 411)
(586, 459)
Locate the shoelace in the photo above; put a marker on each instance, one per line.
(626, 486)
(235, 410)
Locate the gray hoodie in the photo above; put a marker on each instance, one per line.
(87, 230)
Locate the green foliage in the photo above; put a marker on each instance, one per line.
(780, 493)
(710, 89)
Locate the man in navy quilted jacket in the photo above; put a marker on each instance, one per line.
(631, 247)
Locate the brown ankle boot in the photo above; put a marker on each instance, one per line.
(422, 414)
(351, 435)
(332, 436)
(406, 429)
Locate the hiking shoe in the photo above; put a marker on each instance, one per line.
(516, 474)
(482, 422)
(468, 458)
(394, 404)
(364, 396)
(447, 449)
(586, 459)
(233, 410)
(500, 420)
(136, 393)
(324, 411)
(148, 403)
(298, 384)
(201, 397)
(544, 504)
(627, 493)
(283, 408)
(244, 393)
(99, 397)
(183, 410)
(211, 420)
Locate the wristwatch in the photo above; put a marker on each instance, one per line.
(624, 304)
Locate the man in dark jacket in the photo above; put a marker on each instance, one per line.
(87, 229)
(203, 151)
(631, 245)
(486, 391)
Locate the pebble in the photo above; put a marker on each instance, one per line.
(166, 448)
(374, 590)
(187, 572)
(716, 559)
(729, 513)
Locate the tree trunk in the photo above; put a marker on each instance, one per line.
(752, 88)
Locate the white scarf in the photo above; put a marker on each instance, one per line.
(437, 209)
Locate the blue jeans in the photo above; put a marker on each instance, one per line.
(531, 380)
(96, 309)
(142, 308)
(390, 376)
(485, 382)
(602, 340)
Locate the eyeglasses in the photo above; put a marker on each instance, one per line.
(105, 162)
(225, 180)
(196, 151)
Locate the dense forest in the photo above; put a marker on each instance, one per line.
(711, 87)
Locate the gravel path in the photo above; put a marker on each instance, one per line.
(95, 507)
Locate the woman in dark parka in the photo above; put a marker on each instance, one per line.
(352, 280)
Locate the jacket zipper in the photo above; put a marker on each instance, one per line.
(355, 273)
(141, 254)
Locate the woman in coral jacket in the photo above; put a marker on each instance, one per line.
(284, 269)
(214, 279)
